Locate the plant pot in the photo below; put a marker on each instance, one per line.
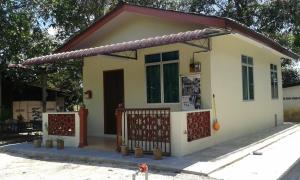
(157, 153)
(60, 144)
(124, 150)
(37, 143)
(138, 152)
(49, 143)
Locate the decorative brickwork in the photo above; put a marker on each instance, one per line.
(61, 124)
(198, 125)
(149, 128)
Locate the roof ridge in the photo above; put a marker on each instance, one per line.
(227, 23)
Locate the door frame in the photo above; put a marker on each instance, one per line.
(103, 72)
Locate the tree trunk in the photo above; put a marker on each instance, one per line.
(0, 94)
(44, 90)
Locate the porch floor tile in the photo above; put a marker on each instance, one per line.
(206, 161)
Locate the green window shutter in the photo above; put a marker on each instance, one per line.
(245, 82)
(153, 84)
(152, 58)
(169, 56)
(276, 85)
(251, 83)
(244, 59)
(171, 83)
(247, 77)
(274, 81)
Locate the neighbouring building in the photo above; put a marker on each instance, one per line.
(291, 102)
(19, 99)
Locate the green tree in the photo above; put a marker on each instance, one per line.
(290, 74)
(281, 20)
(68, 78)
(69, 17)
(21, 37)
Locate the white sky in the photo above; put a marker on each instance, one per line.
(52, 31)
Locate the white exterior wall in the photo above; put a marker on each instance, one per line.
(69, 141)
(134, 70)
(236, 116)
(221, 74)
(291, 103)
(135, 92)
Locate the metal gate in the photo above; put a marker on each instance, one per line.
(148, 128)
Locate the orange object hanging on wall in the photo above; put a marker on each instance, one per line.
(216, 124)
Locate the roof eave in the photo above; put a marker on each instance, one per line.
(209, 21)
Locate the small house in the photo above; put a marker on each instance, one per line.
(182, 81)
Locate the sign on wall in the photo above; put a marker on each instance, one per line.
(191, 93)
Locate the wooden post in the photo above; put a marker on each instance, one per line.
(83, 113)
(118, 115)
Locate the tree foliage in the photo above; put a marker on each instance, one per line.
(24, 24)
(21, 37)
(290, 74)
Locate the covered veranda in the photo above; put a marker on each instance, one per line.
(199, 39)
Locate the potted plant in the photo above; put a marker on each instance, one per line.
(37, 143)
(157, 153)
(124, 149)
(49, 143)
(138, 152)
(20, 118)
(60, 144)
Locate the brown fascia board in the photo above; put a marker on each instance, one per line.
(203, 20)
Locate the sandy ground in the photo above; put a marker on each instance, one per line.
(15, 166)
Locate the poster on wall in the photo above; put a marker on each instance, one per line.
(191, 93)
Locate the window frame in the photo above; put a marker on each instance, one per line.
(274, 69)
(161, 64)
(247, 65)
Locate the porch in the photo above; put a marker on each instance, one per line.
(157, 79)
(175, 133)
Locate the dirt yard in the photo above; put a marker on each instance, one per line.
(15, 166)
